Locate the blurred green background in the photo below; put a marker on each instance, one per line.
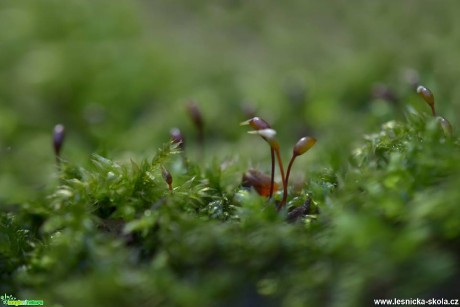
(117, 74)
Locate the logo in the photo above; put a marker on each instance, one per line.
(10, 300)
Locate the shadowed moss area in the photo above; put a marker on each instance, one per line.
(372, 209)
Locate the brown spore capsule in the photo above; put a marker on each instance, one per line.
(259, 181)
(167, 177)
(428, 96)
(445, 125)
(303, 145)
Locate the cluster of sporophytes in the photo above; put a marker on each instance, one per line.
(258, 180)
(167, 231)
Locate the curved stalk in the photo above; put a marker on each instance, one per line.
(272, 179)
(283, 202)
(280, 164)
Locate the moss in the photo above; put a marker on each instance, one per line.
(388, 228)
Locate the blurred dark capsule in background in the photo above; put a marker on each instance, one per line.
(58, 138)
(382, 91)
(195, 114)
(177, 138)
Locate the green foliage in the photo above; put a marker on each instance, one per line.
(15, 247)
(387, 227)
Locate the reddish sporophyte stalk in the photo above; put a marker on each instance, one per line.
(263, 129)
(302, 146)
(258, 123)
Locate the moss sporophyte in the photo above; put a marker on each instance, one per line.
(263, 129)
(58, 141)
(197, 119)
(258, 123)
(167, 177)
(428, 97)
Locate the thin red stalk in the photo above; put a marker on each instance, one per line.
(280, 164)
(283, 202)
(272, 180)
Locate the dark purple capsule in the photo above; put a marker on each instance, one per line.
(256, 123)
(382, 91)
(177, 138)
(195, 115)
(58, 138)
